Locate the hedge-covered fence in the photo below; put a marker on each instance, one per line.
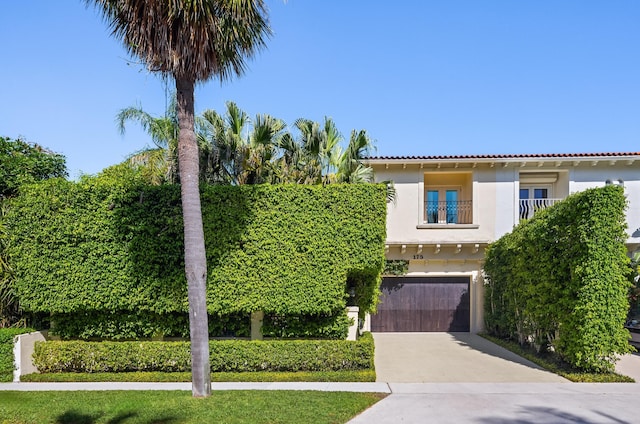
(105, 254)
(560, 280)
(7, 365)
(226, 355)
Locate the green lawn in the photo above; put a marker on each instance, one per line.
(173, 407)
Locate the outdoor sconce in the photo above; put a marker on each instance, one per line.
(620, 182)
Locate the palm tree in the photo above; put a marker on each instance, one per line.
(241, 155)
(318, 157)
(160, 164)
(223, 136)
(261, 150)
(348, 164)
(190, 41)
(310, 159)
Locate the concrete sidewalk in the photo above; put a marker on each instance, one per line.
(318, 386)
(502, 403)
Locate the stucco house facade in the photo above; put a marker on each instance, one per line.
(449, 208)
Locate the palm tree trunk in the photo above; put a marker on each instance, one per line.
(195, 261)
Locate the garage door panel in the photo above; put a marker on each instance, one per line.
(423, 304)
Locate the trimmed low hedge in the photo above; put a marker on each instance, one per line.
(218, 377)
(226, 356)
(6, 351)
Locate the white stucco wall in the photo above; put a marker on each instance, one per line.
(406, 215)
(584, 177)
(495, 198)
(505, 215)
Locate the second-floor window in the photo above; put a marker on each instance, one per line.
(447, 198)
(443, 206)
(533, 198)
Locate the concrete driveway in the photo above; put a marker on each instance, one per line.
(451, 358)
(629, 365)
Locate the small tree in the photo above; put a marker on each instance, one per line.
(26, 162)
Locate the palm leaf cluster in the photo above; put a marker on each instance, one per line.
(164, 34)
(235, 149)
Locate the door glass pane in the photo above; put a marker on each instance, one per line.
(540, 193)
(539, 196)
(432, 206)
(452, 206)
(524, 193)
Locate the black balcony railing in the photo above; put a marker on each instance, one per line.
(449, 212)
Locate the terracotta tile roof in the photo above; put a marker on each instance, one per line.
(510, 156)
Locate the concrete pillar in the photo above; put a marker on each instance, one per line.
(257, 318)
(352, 312)
(479, 289)
(475, 303)
(366, 324)
(23, 353)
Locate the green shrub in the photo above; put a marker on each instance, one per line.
(226, 356)
(396, 267)
(334, 326)
(156, 376)
(113, 245)
(23, 162)
(560, 280)
(6, 351)
(126, 325)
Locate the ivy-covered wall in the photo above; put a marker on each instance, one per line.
(113, 246)
(560, 279)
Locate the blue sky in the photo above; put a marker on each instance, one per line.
(421, 76)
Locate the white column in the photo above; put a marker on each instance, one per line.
(256, 325)
(23, 346)
(352, 312)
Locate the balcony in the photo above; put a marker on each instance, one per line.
(449, 212)
(528, 207)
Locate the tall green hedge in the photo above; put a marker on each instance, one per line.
(560, 278)
(111, 245)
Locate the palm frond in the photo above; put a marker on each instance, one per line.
(195, 39)
(391, 191)
(153, 165)
(361, 174)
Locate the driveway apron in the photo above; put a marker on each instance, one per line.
(451, 358)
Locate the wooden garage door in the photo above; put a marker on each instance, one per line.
(423, 304)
